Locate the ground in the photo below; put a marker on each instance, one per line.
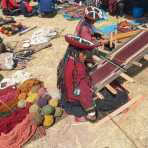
(132, 131)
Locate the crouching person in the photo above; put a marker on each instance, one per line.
(47, 8)
(75, 86)
(10, 7)
(26, 8)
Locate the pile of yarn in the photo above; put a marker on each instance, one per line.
(45, 108)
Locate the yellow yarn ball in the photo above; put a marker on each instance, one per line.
(54, 102)
(32, 97)
(48, 120)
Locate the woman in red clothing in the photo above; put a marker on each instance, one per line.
(75, 85)
(85, 28)
(10, 7)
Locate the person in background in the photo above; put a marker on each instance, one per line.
(116, 7)
(47, 8)
(27, 9)
(10, 7)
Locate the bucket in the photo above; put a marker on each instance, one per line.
(137, 12)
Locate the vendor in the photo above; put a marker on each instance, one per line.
(47, 8)
(85, 28)
(10, 7)
(75, 86)
(27, 9)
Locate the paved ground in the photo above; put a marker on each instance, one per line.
(68, 134)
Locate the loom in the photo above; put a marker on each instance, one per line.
(132, 51)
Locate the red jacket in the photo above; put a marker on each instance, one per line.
(27, 6)
(11, 5)
(85, 30)
(85, 98)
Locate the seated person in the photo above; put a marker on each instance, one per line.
(85, 28)
(75, 86)
(47, 7)
(116, 7)
(10, 7)
(26, 9)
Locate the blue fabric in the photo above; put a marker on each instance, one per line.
(46, 6)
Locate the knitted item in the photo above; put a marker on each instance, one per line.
(48, 120)
(22, 96)
(47, 110)
(28, 84)
(58, 112)
(37, 118)
(42, 91)
(34, 108)
(32, 97)
(54, 102)
(21, 103)
(42, 102)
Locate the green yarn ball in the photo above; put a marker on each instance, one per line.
(58, 112)
(1, 77)
(38, 119)
(21, 103)
(34, 108)
(47, 110)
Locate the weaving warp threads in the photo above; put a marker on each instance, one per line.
(106, 70)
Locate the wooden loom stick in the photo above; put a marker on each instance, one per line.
(98, 94)
(137, 64)
(126, 77)
(27, 30)
(120, 36)
(111, 89)
(146, 57)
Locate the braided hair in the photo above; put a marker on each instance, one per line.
(71, 52)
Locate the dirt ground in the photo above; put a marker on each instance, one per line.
(133, 131)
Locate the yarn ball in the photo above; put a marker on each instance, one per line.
(32, 97)
(58, 112)
(35, 88)
(42, 91)
(1, 77)
(34, 108)
(53, 102)
(48, 120)
(47, 110)
(42, 102)
(46, 96)
(38, 119)
(21, 103)
(22, 96)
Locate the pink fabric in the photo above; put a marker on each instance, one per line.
(8, 123)
(19, 135)
(8, 93)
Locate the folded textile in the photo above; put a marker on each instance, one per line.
(8, 123)
(17, 137)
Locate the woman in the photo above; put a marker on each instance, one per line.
(75, 87)
(26, 9)
(74, 84)
(86, 29)
(10, 7)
